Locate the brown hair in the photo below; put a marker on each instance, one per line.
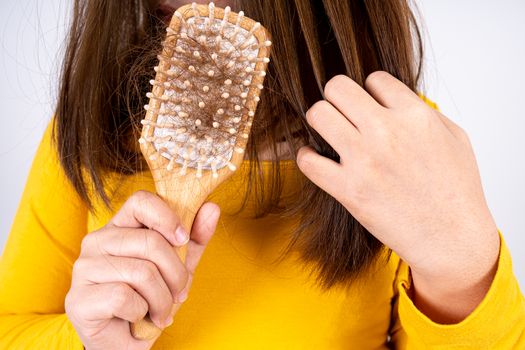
(109, 60)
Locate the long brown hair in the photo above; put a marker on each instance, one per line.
(111, 51)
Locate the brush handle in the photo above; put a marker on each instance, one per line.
(186, 204)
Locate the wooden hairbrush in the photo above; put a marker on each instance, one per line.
(200, 112)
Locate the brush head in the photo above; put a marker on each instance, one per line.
(205, 93)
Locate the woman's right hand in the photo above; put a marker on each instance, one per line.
(129, 267)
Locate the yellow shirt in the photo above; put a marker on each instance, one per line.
(239, 299)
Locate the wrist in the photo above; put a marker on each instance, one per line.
(450, 292)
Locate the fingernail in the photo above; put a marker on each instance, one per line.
(181, 236)
(182, 296)
(168, 322)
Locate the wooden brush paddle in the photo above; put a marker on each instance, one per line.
(201, 107)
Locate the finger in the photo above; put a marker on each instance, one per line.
(389, 91)
(142, 244)
(147, 209)
(203, 228)
(322, 171)
(351, 100)
(107, 300)
(141, 275)
(338, 131)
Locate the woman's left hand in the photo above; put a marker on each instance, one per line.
(409, 175)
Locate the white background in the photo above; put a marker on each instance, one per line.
(475, 71)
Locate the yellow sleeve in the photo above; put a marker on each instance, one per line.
(498, 322)
(36, 264)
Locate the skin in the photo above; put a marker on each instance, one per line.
(129, 267)
(409, 175)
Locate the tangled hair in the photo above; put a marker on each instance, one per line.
(111, 52)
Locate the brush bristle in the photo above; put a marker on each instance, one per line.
(202, 88)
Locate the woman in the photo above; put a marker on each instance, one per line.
(387, 240)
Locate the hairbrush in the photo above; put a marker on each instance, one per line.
(201, 108)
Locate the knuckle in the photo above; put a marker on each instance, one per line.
(376, 78)
(420, 109)
(154, 243)
(312, 115)
(69, 303)
(145, 272)
(78, 267)
(335, 84)
(182, 278)
(139, 197)
(463, 135)
(121, 295)
(86, 242)
(303, 160)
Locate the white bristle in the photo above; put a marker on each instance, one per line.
(214, 56)
(231, 166)
(170, 164)
(202, 104)
(183, 114)
(199, 170)
(192, 69)
(239, 150)
(196, 54)
(198, 122)
(142, 140)
(214, 169)
(228, 82)
(225, 19)
(205, 88)
(212, 11)
(232, 131)
(220, 111)
(243, 94)
(215, 125)
(225, 95)
(237, 108)
(184, 167)
(255, 27)
(211, 73)
(251, 113)
(196, 12)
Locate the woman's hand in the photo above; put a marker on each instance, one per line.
(129, 268)
(408, 174)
